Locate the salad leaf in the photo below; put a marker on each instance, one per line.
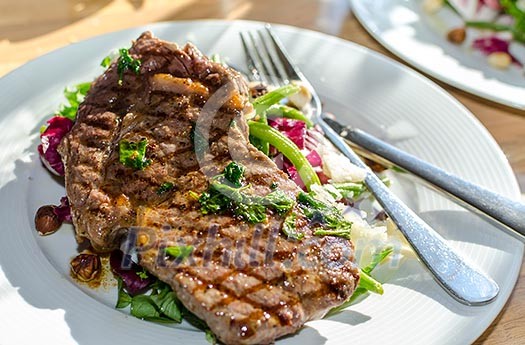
(133, 155)
(74, 95)
(143, 307)
(279, 202)
(125, 62)
(57, 128)
(166, 301)
(314, 158)
(124, 299)
(106, 62)
(159, 303)
(221, 197)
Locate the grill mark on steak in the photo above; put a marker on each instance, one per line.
(248, 282)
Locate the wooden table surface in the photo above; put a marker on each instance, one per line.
(29, 28)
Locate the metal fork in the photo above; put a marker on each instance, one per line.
(268, 62)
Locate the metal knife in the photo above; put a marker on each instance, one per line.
(507, 212)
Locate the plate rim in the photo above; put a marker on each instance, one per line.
(386, 59)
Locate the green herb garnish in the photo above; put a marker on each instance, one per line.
(143, 274)
(221, 197)
(290, 229)
(133, 155)
(234, 173)
(330, 218)
(179, 252)
(126, 62)
(165, 187)
(74, 95)
(279, 202)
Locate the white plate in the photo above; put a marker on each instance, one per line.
(406, 30)
(41, 304)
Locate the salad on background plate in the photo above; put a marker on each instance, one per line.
(496, 28)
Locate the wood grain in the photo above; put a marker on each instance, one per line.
(30, 28)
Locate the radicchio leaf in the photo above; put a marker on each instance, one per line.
(57, 128)
(133, 283)
(295, 130)
(63, 211)
(314, 159)
(493, 44)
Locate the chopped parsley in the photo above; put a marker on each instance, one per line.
(179, 252)
(126, 63)
(329, 217)
(143, 274)
(234, 173)
(222, 197)
(74, 95)
(290, 229)
(133, 155)
(165, 187)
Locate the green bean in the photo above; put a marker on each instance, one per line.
(273, 97)
(369, 283)
(488, 26)
(289, 112)
(287, 148)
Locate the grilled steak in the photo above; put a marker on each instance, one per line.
(249, 282)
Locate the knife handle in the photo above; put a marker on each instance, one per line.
(505, 211)
(461, 280)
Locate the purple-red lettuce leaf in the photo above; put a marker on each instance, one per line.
(57, 128)
(134, 279)
(63, 211)
(493, 44)
(295, 130)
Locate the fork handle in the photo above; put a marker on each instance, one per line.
(505, 211)
(461, 280)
